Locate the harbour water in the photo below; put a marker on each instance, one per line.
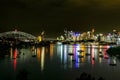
(53, 62)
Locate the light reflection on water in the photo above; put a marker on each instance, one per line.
(56, 57)
(51, 50)
(94, 51)
(42, 58)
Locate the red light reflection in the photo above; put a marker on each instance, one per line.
(15, 56)
(93, 57)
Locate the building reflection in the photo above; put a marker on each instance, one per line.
(91, 53)
(11, 53)
(65, 56)
(105, 53)
(39, 53)
(95, 53)
(76, 58)
(51, 51)
(60, 52)
(14, 57)
(83, 53)
(100, 59)
(92, 56)
(69, 49)
(88, 52)
(100, 52)
(46, 49)
(34, 51)
(42, 58)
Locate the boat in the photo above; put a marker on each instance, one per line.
(80, 56)
(101, 55)
(80, 51)
(33, 55)
(73, 60)
(87, 54)
(113, 64)
(70, 54)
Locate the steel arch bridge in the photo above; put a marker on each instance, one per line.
(22, 36)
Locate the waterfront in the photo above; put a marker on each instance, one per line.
(53, 62)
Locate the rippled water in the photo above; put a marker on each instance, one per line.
(54, 62)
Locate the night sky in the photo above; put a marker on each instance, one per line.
(53, 16)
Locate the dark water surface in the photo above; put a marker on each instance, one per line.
(54, 63)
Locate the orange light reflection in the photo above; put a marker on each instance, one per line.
(83, 53)
(38, 53)
(11, 53)
(51, 51)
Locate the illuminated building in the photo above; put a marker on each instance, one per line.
(112, 37)
(39, 38)
(92, 34)
(88, 35)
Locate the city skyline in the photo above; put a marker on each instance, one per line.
(53, 16)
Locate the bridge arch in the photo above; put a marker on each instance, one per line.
(18, 35)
